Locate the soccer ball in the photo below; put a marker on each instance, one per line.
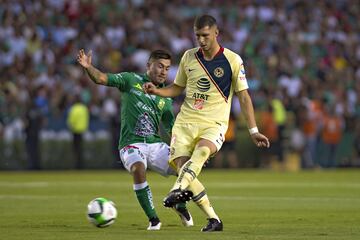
(101, 212)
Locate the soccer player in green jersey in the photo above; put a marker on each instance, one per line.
(140, 145)
(211, 75)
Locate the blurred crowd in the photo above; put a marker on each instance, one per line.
(302, 60)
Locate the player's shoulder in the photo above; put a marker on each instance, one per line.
(134, 77)
(232, 56)
(190, 52)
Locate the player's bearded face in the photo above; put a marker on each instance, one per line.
(158, 69)
(206, 37)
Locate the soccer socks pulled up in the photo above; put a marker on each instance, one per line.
(191, 169)
(144, 196)
(201, 199)
(204, 204)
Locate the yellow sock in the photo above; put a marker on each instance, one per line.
(191, 169)
(204, 204)
(196, 187)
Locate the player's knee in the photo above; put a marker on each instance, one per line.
(137, 168)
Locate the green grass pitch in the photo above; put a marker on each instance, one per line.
(252, 204)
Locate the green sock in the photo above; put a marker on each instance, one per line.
(145, 199)
(180, 205)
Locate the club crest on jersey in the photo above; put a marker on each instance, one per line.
(161, 104)
(203, 85)
(219, 72)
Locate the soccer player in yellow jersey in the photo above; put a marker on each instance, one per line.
(211, 74)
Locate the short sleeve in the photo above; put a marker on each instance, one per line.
(119, 80)
(239, 77)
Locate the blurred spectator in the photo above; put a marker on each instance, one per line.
(357, 147)
(78, 122)
(269, 128)
(279, 116)
(34, 120)
(331, 136)
(112, 109)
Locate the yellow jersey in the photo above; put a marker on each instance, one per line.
(210, 86)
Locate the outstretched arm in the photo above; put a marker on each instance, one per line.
(94, 74)
(172, 90)
(248, 110)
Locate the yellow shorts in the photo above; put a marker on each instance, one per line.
(185, 136)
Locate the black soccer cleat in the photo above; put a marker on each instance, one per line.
(154, 224)
(177, 196)
(184, 215)
(213, 225)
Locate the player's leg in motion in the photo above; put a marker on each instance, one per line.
(188, 171)
(144, 195)
(158, 162)
(201, 199)
(192, 168)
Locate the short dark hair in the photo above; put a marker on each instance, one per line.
(203, 21)
(159, 54)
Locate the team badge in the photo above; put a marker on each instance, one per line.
(219, 72)
(161, 104)
(138, 86)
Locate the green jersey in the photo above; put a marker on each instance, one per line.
(141, 113)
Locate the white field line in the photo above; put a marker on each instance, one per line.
(44, 184)
(296, 199)
(215, 197)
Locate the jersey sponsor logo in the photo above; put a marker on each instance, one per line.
(219, 72)
(136, 92)
(200, 96)
(144, 126)
(203, 85)
(145, 107)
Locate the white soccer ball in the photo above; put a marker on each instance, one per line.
(101, 212)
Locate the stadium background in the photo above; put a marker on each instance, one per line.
(302, 60)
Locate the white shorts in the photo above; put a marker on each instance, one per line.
(153, 155)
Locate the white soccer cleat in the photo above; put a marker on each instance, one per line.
(185, 217)
(154, 226)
